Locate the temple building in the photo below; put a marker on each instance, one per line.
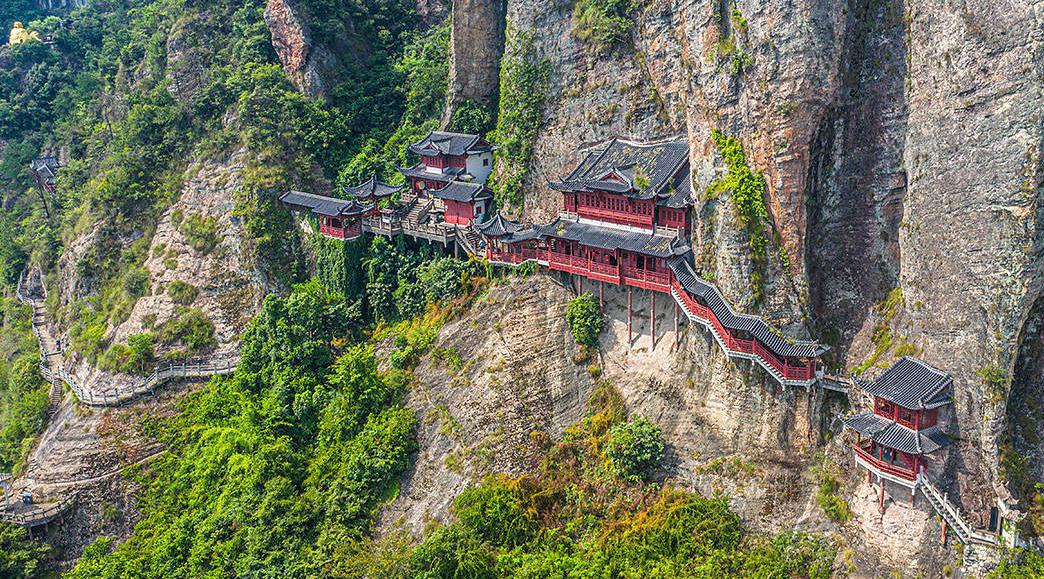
(45, 171)
(373, 192)
(895, 439)
(446, 158)
(338, 218)
(625, 220)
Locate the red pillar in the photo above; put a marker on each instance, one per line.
(652, 318)
(944, 534)
(629, 334)
(675, 322)
(601, 294)
(881, 504)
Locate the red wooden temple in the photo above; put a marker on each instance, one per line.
(896, 437)
(625, 221)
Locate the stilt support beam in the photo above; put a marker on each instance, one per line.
(652, 318)
(629, 334)
(601, 294)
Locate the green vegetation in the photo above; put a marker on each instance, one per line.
(20, 556)
(524, 82)
(604, 24)
(182, 293)
(881, 337)
(827, 493)
(728, 50)
(748, 197)
(1019, 564)
(585, 319)
(471, 117)
(23, 393)
(277, 469)
(200, 232)
(634, 448)
(188, 329)
(572, 520)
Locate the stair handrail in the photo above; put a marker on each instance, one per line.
(943, 505)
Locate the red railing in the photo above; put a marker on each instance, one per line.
(516, 257)
(655, 277)
(567, 260)
(354, 230)
(885, 467)
(605, 268)
(754, 347)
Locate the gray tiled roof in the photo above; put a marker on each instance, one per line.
(322, 205)
(448, 144)
(912, 384)
(891, 434)
(498, 226)
(617, 167)
(710, 296)
(462, 191)
(612, 238)
(371, 188)
(419, 172)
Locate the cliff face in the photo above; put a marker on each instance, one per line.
(901, 142)
(477, 42)
(310, 66)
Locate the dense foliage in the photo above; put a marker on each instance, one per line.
(634, 448)
(273, 469)
(20, 556)
(23, 393)
(1019, 564)
(585, 319)
(575, 519)
(524, 82)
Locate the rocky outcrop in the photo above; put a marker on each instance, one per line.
(476, 45)
(308, 65)
(59, 4)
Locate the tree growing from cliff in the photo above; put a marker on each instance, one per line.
(585, 319)
(634, 448)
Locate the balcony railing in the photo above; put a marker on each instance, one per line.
(349, 232)
(885, 467)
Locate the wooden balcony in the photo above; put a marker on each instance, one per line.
(881, 467)
(351, 232)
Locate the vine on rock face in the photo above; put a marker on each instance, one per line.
(524, 82)
(748, 190)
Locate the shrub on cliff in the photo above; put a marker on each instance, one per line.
(634, 448)
(585, 319)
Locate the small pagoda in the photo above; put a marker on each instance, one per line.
(895, 439)
(45, 171)
(373, 192)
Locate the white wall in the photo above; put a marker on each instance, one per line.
(480, 165)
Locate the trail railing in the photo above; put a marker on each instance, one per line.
(117, 396)
(38, 517)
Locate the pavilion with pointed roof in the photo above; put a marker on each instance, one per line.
(896, 437)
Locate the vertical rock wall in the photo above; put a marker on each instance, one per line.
(476, 45)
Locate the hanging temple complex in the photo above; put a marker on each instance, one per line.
(626, 220)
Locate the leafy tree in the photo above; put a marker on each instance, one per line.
(634, 448)
(585, 319)
(20, 556)
(471, 117)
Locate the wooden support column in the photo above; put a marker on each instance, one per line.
(601, 294)
(945, 535)
(581, 283)
(652, 318)
(675, 322)
(629, 315)
(881, 503)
